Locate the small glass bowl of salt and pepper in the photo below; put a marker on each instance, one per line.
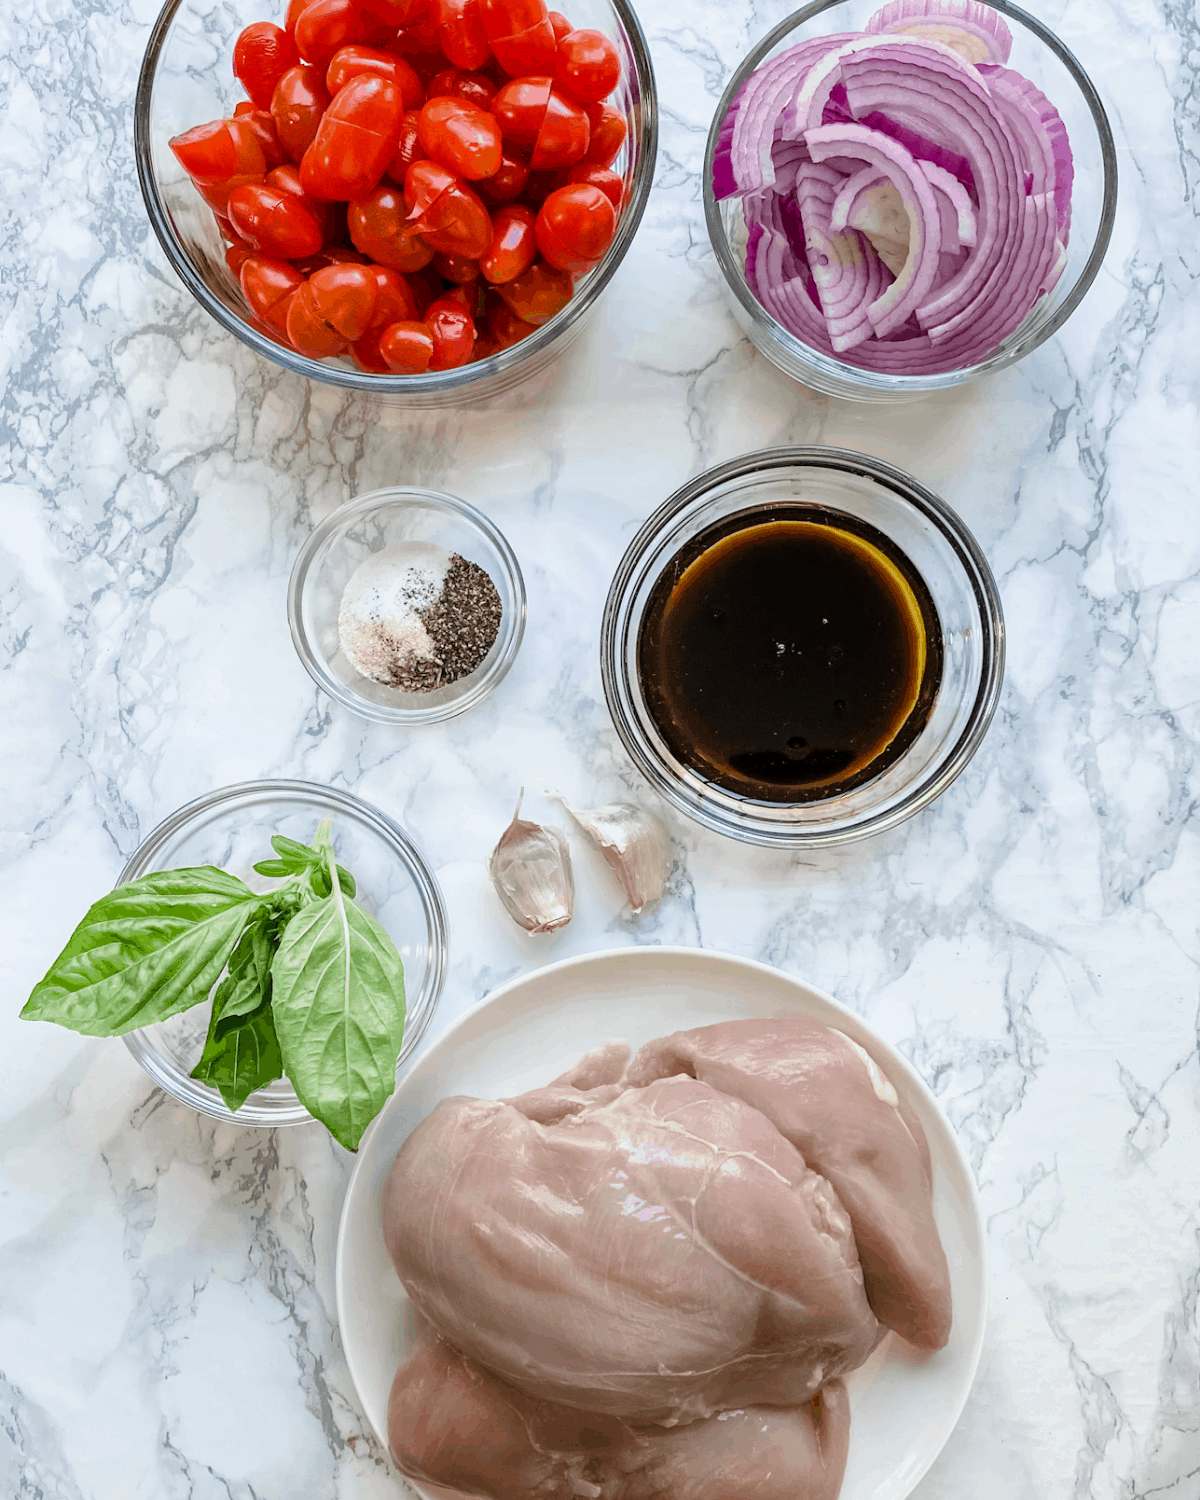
(407, 606)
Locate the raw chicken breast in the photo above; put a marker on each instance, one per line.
(834, 1103)
(454, 1425)
(657, 1258)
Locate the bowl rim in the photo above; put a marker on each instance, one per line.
(339, 519)
(199, 1096)
(432, 384)
(907, 490)
(828, 367)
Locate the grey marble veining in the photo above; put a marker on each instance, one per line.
(167, 1325)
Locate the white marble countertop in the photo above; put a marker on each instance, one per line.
(166, 1315)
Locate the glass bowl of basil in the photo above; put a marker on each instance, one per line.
(284, 944)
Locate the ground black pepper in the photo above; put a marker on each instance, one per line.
(463, 623)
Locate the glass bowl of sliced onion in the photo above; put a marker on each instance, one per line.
(902, 198)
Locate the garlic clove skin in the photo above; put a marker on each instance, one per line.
(531, 870)
(635, 844)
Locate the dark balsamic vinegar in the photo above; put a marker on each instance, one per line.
(790, 653)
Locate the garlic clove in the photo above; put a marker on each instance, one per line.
(531, 870)
(635, 844)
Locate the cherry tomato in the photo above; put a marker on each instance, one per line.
(453, 330)
(394, 300)
(476, 88)
(216, 192)
(608, 134)
(460, 33)
(354, 60)
(355, 141)
(612, 186)
(306, 328)
(461, 136)
(275, 222)
(262, 123)
(344, 296)
(324, 26)
(562, 139)
(422, 44)
(294, 11)
(424, 183)
(456, 268)
(538, 293)
(455, 221)
(366, 354)
(587, 68)
(407, 347)
(520, 35)
(506, 183)
(539, 186)
(505, 328)
(297, 105)
(575, 226)
(335, 255)
(262, 54)
(287, 179)
(559, 25)
(395, 13)
(238, 252)
(520, 108)
(514, 245)
(379, 227)
(219, 150)
(409, 148)
(266, 285)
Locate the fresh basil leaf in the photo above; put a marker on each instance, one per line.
(145, 951)
(249, 979)
(292, 849)
(238, 1060)
(275, 868)
(338, 1001)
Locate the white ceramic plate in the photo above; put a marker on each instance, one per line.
(904, 1405)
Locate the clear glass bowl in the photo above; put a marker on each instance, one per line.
(187, 78)
(350, 535)
(1048, 64)
(943, 552)
(232, 828)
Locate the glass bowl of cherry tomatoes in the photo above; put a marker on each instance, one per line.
(418, 199)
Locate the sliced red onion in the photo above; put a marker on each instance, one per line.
(954, 205)
(723, 180)
(922, 147)
(869, 203)
(914, 283)
(1014, 83)
(976, 32)
(848, 274)
(759, 107)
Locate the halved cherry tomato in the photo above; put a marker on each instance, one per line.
(505, 328)
(476, 88)
(409, 148)
(424, 183)
(220, 149)
(294, 11)
(335, 255)
(538, 293)
(306, 328)
(514, 245)
(456, 268)
(238, 252)
(354, 60)
(262, 123)
(520, 108)
(587, 68)
(460, 33)
(344, 296)
(559, 25)
(421, 44)
(506, 183)
(563, 135)
(287, 179)
(262, 54)
(609, 183)
(380, 228)
(275, 222)
(575, 226)
(460, 136)
(216, 192)
(456, 221)
(520, 35)
(394, 300)
(608, 134)
(453, 330)
(267, 284)
(297, 105)
(324, 26)
(407, 347)
(355, 141)
(395, 13)
(539, 186)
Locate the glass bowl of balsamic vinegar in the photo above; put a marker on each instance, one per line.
(802, 647)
